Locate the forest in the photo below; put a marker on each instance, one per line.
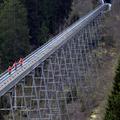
(27, 24)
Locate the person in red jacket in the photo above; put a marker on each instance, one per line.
(9, 69)
(15, 65)
(21, 61)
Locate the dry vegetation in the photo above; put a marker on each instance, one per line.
(111, 47)
(79, 9)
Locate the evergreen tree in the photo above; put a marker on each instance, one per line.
(14, 37)
(1, 1)
(44, 33)
(116, 86)
(32, 9)
(113, 108)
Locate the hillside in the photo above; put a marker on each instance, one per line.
(111, 49)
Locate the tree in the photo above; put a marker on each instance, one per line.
(113, 108)
(44, 33)
(32, 16)
(14, 37)
(116, 86)
(1, 1)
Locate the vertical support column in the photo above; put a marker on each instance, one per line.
(76, 46)
(15, 98)
(24, 98)
(93, 27)
(46, 91)
(36, 96)
(62, 83)
(73, 58)
(55, 87)
(11, 106)
(87, 68)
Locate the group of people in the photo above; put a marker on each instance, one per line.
(14, 66)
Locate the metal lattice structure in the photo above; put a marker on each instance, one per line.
(58, 78)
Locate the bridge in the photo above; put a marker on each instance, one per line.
(60, 77)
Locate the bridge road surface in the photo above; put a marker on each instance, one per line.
(35, 58)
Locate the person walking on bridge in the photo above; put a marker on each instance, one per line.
(21, 61)
(15, 65)
(9, 70)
